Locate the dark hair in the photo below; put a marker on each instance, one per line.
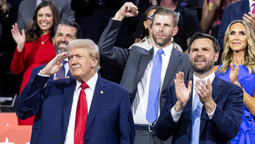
(200, 35)
(145, 32)
(34, 31)
(71, 24)
(166, 11)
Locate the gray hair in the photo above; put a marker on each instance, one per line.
(88, 44)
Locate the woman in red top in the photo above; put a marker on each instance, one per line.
(36, 48)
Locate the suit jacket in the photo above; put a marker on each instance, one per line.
(109, 121)
(27, 8)
(232, 12)
(223, 126)
(134, 61)
(36, 70)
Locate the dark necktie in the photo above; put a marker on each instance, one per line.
(61, 72)
(81, 116)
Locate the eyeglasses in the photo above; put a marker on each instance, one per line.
(149, 17)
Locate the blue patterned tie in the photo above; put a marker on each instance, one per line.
(196, 114)
(152, 107)
(61, 72)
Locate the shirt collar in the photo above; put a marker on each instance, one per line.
(91, 83)
(167, 50)
(211, 77)
(251, 2)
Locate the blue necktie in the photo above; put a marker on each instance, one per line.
(152, 107)
(61, 72)
(196, 114)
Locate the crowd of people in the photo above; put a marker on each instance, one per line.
(107, 72)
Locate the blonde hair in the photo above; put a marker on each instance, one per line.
(249, 58)
(90, 46)
(5, 7)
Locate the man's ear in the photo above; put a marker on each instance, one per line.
(94, 62)
(175, 30)
(216, 56)
(53, 39)
(145, 25)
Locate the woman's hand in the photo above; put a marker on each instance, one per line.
(234, 72)
(18, 37)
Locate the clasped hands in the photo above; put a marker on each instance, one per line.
(183, 93)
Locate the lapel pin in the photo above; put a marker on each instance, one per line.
(101, 92)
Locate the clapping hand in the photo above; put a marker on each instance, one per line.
(204, 91)
(234, 72)
(183, 93)
(250, 19)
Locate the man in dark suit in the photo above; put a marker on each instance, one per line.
(65, 32)
(83, 109)
(92, 16)
(206, 109)
(237, 11)
(140, 72)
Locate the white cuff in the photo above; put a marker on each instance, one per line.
(175, 115)
(210, 115)
(41, 74)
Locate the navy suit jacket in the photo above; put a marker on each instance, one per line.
(232, 12)
(223, 126)
(109, 121)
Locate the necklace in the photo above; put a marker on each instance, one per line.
(43, 41)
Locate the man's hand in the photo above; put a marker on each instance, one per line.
(54, 65)
(153, 2)
(182, 92)
(250, 19)
(204, 91)
(127, 10)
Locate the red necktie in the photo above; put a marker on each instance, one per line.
(81, 116)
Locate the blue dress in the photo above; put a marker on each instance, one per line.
(246, 134)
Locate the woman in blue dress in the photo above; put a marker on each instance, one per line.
(238, 66)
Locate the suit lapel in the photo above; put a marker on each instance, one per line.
(69, 74)
(187, 112)
(216, 91)
(144, 61)
(99, 95)
(67, 102)
(171, 68)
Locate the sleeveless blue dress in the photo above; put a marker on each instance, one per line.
(246, 134)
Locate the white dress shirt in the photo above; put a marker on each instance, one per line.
(251, 2)
(139, 105)
(38, 2)
(177, 115)
(89, 95)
